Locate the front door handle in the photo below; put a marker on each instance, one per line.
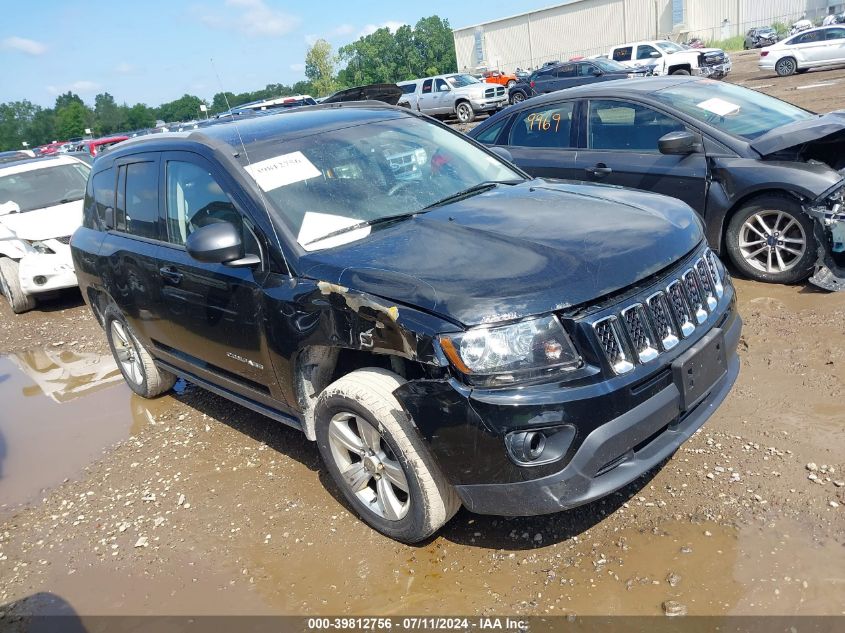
(599, 171)
(170, 275)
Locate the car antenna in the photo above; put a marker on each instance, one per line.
(249, 162)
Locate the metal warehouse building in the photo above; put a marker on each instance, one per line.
(591, 27)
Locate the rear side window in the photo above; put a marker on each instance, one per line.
(807, 38)
(426, 86)
(409, 89)
(565, 71)
(549, 126)
(623, 54)
(834, 34)
(99, 196)
(141, 199)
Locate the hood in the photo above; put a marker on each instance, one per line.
(799, 132)
(696, 51)
(516, 250)
(389, 93)
(42, 224)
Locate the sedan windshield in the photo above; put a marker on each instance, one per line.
(733, 109)
(459, 81)
(45, 187)
(608, 65)
(323, 185)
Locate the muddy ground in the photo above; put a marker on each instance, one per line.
(189, 504)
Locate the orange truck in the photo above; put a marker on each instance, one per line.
(498, 77)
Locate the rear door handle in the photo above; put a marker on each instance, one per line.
(599, 171)
(170, 275)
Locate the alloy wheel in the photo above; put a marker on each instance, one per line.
(517, 97)
(772, 241)
(126, 352)
(368, 466)
(786, 67)
(464, 112)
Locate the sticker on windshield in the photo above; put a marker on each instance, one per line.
(719, 107)
(282, 170)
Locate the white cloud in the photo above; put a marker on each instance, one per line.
(343, 29)
(82, 86)
(124, 69)
(24, 45)
(251, 17)
(369, 29)
(297, 68)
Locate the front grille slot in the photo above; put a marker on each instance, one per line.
(489, 93)
(63, 240)
(706, 283)
(661, 319)
(608, 335)
(693, 287)
(639, 332)
(680, 306)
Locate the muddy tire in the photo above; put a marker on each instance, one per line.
(680, 71)
(786, 66)
(378, 460)
(771, 239)
(134, 361)
(464, 112)
(10, 283)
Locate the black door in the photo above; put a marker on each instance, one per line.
(622, 150)
(129, 251)
(214, 311)
(542, 140)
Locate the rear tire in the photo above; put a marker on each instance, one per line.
(680, 71)
(134, 361)
(376, 457)
(786, 66)
(511, 84)
(10, 282)
(781, 217)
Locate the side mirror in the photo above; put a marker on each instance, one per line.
(678, 143)
(444, 88)
(218, 243)
(597, 72)
(502, 153)
(654, 54)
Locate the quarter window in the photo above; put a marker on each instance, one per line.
(544, 127)
(141, 201)
(623, 54)
(621, 125)
(489, 136)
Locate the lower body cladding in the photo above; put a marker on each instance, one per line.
(44, 272)
(602, 436)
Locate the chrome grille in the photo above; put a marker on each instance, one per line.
(489, 93)
(644, 329)
(639, 332)
(607, 332)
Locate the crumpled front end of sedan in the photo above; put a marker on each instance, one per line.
(828, 212)
(47, 266)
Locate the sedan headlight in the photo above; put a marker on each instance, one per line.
(41, 247)
(507, 354)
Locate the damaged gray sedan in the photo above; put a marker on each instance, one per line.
(766, 176)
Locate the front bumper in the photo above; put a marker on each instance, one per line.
(40, 272)
(487, 105)
(715, 72)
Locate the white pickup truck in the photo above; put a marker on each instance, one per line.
(669, 58)
(459, 95)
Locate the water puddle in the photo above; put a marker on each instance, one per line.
(60, 409)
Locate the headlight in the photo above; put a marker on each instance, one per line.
(42, 248)
(507, 354)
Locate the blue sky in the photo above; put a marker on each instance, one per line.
(155, 51)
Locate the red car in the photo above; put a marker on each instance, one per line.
(50, 148)
(97, 145)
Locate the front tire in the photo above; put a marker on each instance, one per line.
(770, 239)
(10, 283)
(786, 66)
(680, 71)
(464, 112)
(377, 458)
(134, 361)
(517, 97)
(511, 84)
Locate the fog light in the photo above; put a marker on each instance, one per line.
(539, 446)
(39, 280)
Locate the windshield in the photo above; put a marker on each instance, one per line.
(670, 47)
(459, 81)
(323, 183)
(732, 109)
(609, 65)
(39, 188)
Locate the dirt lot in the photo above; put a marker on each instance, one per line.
(189, 504)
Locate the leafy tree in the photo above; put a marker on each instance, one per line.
(71, 120)
(66, 99)
(109, 116)
(140, 116)
(185, 108)
(319, 67)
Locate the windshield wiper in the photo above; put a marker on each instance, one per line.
(362, 225)
(469, 191)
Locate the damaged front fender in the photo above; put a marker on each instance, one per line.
(828, 214)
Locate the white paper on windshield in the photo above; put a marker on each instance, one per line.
(282, 170)
(719, 107)
(315, 225)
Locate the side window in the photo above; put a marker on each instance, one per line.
(546, 127)
(623, 54)
(101, 190)
(563, 72)
(409, 89)
(441, 85)
(834, 34)
(489, 136)
(141, 201)
(621, 125)
(585, 70)
(808, 38)
(644, 51)
(194, 200)
(426, 89)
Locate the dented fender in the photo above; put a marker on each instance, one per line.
(828, 214)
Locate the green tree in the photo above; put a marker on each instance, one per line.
(109, 116)
(140, 116)
(71, 120)
(319, 67)
(185, 108)
(66, 99)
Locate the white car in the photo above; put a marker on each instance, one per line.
(668, 58)
(40, 208)
(815, 48)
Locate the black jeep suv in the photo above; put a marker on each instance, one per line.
(448, 330)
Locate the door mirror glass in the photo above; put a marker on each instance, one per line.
(654, 54)
(597, 72)
(675, 143)
(502, 153)
(217, 243)
(444, 88)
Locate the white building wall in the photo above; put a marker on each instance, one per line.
(591, 27)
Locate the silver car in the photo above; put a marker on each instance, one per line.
(459, 95)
